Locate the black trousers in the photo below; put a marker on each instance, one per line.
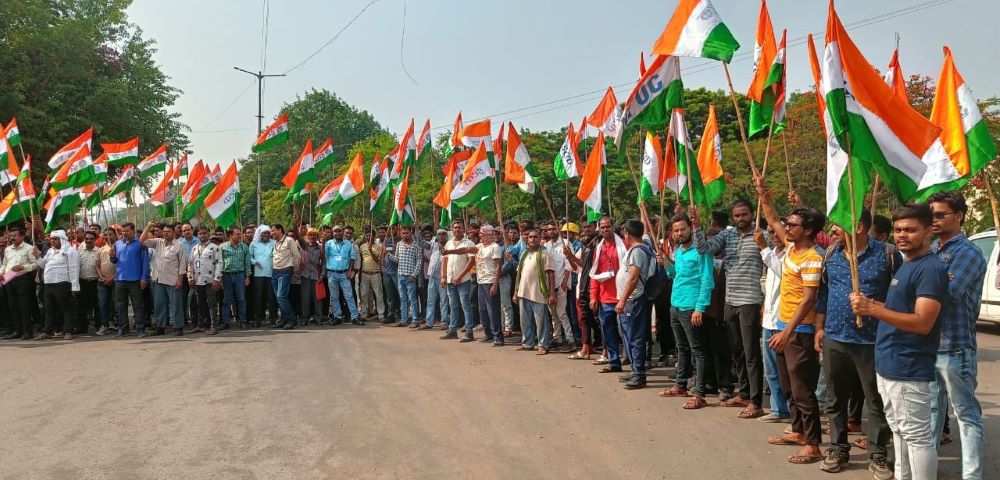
(798, 372)
(86, 302)
(263, 295)
(743, 326)
(20, 297)
(60, 307)
(124, 293)
(664, 332)
(846, 365)
(718, 362)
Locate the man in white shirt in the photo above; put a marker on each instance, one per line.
(773, 258)
(488, 254)
(87, 300)
(562, 331)
(167, 270)
(61, 276)
(456, 275)
(20, 290)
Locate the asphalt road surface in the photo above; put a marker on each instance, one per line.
(374, 402)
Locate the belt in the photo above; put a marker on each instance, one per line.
(370, 273)
(233, 273)
(337, 271)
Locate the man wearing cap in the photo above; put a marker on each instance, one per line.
(262, 258)
(61, 275)
(339, 272)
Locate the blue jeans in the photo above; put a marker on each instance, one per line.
(609, 328)
(459, 297)
(339, 283)
(636, 327)
(489, 312)
(536, 329)
(779, 404)
(105, 304)
(167, 305)
(234, 288)
(281, 281)
(407, 287)
(437, 297)
(957, 373)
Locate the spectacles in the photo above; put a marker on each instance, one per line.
(942, 215)
(792, 225)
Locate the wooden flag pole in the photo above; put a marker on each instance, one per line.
(644, 215)
(739, 119)
(788, 167)
(548, 203)
(763, 169)
(874, 200)
(852, 255)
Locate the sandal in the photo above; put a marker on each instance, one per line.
(578, 356)
(784, 441)
(522, 348)
(601, 361)
(674, 391)
(610, 369)
(736, 402)
(861, 443)
(695, 403)
(751, 413)
(542, 351)
(804, 459)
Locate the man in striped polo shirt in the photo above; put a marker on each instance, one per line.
(744, 296)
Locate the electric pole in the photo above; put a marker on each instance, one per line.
(260, 122)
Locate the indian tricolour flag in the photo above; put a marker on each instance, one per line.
(652, 163)
(608, 115)
(517, 167)
(101, 169)
(590, 184)
(454, 143)
(656, 94)
(182, 166)
(406, 154)
(477, 183)
(768, 78)
(323, 155)
(710, 160)
(192, 191)
(70, 149)
(452, 175)
(223, 204)
(474, 134)
(402, 206)
(272, 136)
(64, 202)
(883, 131)
(76, 172)
(8, 163)
(894, 77)
(380, 191)
(963, 132)
(424, 143)
(163, 195)
(687, 163)
(300, 173)
(155, 163)
(670, 177)
(121, 184)
(344, 188)
(119, 154)
(12, 133)
(13, 208)
(567, 165)
(696, 30)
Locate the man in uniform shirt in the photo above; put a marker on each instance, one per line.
(204, 271)
(339, 272)
(167, 269)
(131, 261)
(20, 290)
(62, 281)
(236, 270)
(87, 300)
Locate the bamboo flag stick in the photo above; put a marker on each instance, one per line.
(788, 166)
(874, 193)
(852, 255)
(739, 118)
(763, 170)
(642, 203)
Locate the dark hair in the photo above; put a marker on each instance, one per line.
(348, 227)
(168, 225)
(92, 234)
(277, 226)
(248, 228)
(608, 217)
(882, 225)
(202, 229)
(680, 217)
(634, 228)
(720, 219)
(408, 228)
(812, 219)
(510, 226)
(866, 219)
(742, 202)
(92, 225)
(954, 199)
(528, 225)
(128, 225)
(233, 230)
(457, 221)
(920, 212)
(18, 230)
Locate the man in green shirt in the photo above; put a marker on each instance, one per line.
(235, 277)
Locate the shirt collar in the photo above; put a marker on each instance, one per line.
(958, 236)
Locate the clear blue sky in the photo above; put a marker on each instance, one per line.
(489, 57)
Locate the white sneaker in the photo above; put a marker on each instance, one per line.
(102, 331)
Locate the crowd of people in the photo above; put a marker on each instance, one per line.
(760, 308)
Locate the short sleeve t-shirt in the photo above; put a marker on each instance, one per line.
(529, 287)
(903, 355)
(638, 257)
(799, 271)
(486, 267)
(458, 262)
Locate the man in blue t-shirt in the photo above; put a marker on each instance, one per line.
(906, 343)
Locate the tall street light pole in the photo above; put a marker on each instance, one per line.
(260, 121)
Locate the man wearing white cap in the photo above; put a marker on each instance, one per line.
(61, 275)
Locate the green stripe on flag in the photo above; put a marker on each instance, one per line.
(720, 44)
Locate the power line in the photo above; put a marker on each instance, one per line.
(402, 41)
(333, 38)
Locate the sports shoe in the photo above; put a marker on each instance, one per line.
(102, 331)
(834, 461)
(774, 418)
(880, 468)
(636, 382)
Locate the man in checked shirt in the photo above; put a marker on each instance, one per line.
(957, 366)
(744, 296)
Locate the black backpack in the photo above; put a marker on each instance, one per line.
(655, 283)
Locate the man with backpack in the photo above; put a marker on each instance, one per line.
(634, 307)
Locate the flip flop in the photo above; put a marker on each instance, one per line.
(578, 356)
(804, 459)
(601, 361)
(783, 441)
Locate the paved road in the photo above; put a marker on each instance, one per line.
(370, 402)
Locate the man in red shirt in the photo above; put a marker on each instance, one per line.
(604, 293)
